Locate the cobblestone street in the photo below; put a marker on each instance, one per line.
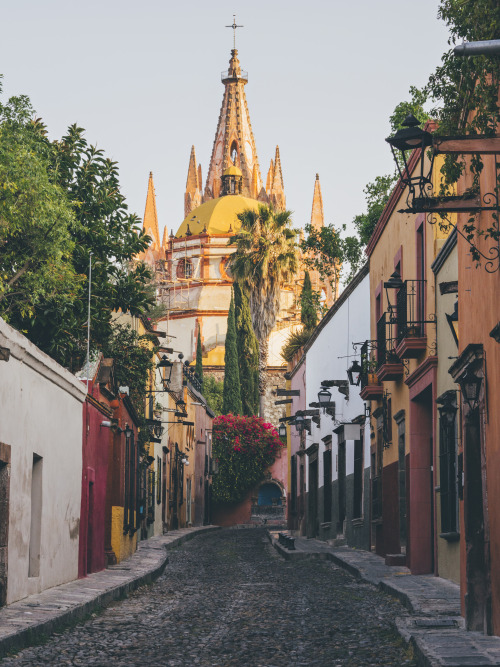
(227, 598)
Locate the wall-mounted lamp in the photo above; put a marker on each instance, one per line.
(324, 397)
(282, 431)
(447, 406)
(453, 322)
(470, 384)
(299, 423)
(354, 373)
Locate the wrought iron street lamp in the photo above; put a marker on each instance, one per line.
(282, 431)
(470, 384)
(354, 373)
(448, 408)
(324, 397)
(409, 137)
(299, 423)
(394, 282)
(453, 322)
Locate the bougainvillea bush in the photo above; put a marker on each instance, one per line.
(244, 448)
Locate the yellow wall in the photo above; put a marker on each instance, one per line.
(122, 545)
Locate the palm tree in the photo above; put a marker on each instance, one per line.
(265, 258)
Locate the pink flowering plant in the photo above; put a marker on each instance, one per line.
(244, 448)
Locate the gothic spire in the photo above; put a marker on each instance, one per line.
(192, 196)
(317, 218)
(234, 143)
(276, 191)
(150, 223)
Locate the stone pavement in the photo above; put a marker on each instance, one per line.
(228, 599)
(435, 628)
(37, 616)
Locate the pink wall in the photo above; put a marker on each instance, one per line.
(94, 475)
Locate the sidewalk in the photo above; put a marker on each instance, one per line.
(32, 619)
(435, 628)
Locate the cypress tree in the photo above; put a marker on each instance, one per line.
(199, 364)
(231, 397)
(308, 311)
(248, 353)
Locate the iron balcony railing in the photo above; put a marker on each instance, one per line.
(190, 375)
(410, 309)
(232, 74)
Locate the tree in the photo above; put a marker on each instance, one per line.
(244, 448)
(199, 361)
(67, 200)
(248, 353)
(308, 304)
(37, 224)
(377, 195)
(466, 93)
(213, 390)
(327, 252)
(231, 395)
(265, 258)
(133, 362)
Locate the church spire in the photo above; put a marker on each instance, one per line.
(275, 190)
(317, 218)
(150, 223)
(234, 144)
(192, 196)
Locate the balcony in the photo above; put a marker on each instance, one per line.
(411, 340)
(389, 366)
(371, 388)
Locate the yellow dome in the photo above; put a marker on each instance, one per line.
(217, 215)
(232, 171)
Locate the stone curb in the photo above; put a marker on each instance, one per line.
(433, 645)
(97, 591)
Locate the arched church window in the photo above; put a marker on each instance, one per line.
(185, 268)
(225, 270)
(234, 152)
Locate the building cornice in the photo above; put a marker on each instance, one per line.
(423, 368)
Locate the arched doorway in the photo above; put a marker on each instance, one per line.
(269, 504)
(269, 494)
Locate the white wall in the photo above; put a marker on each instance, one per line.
(328, 358)
(41, 413)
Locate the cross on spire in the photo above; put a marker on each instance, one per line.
(234, 26)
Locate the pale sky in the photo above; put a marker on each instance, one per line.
(143, 79)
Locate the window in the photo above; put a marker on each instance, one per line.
(158, 486)
(293, 491)
(448, 475)
(185, 268)
(36, 517)
(151, 496)
(357, 510)
(327, 486)
(420, 249)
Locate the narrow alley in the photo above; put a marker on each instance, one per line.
(228, 598)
